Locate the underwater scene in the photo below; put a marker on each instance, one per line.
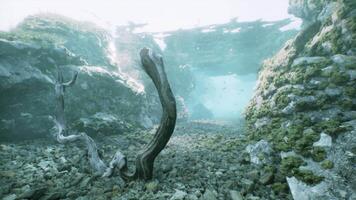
(178, 100)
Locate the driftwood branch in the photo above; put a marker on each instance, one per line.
(154, 67)
(62, 133)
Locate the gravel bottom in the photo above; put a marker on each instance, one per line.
(202, 161)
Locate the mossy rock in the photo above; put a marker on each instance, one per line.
(347, 104)
(280, 80)
(318, 154)
(280, 187)
(339, 78)
(308, 177)
(290, 165)
(305, 143)
(332, 127)
(327, 164)
(350, 91)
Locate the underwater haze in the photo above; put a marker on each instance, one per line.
(178, 100)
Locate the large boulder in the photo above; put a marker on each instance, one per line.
(29, 54)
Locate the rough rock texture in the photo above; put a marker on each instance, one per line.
(259, 152)
(306, 94)
(101, 102)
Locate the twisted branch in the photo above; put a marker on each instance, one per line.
(154, 67)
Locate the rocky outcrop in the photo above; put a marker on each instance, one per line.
(306, 94)
(102, 101)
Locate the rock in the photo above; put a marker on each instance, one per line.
(8, 174)
(253, 175)
(72, 194)
(33, 193)
(54, 196)
(151, 186)
(289, 109)
(235, 195)
(178, 195)
(244, 158)
(247, 185)
(324, 141)
(262, 122)
(46, 165)
(333, 92)
(301, 191)
(192, 197)
(260, 152)
(85, 182)
(344, 61)
(327, 71)
(9, 197)
(266, 178)
(253, 198)
(78, 177)
(308, 61)
(352, 74)
(209, 195)
(166, 168)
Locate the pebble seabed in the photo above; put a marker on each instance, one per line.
(201, 161)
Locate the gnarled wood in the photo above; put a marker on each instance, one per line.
(154, 67)
(62, 134)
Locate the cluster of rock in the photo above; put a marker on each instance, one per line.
(304, 104)
(196, 165)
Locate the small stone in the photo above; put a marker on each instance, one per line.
(259, 152)
(178, 195)
(324, 141)
(8, 174)
(10, 197)
(266, 178)
(247, 185)
(33, 193)
(208, 195)
(77, 179)
(85, 182)
(192, 197)
(235, 195)
(151, 186)
(342, 193)
(218, 173)
(53, 196)
(166, 168)
(253, 198)
(327, 164)
(71, 194)
(245, 158)
(253, 175)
